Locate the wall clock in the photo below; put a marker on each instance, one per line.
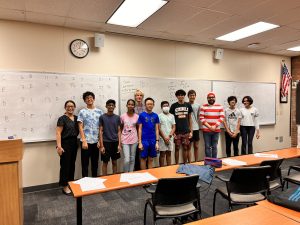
(79, 48)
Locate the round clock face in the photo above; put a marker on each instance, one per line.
(79, 48)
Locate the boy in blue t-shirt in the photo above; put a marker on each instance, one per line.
(148, 123)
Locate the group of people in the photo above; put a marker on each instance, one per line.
(141, 134)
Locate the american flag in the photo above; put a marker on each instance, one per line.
(285, 80)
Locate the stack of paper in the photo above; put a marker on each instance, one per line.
(233, 162)
(264, 155)
(135, 178)
(90, 184)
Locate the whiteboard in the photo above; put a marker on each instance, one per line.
(31, 102)
(263, 95)
(161, 89)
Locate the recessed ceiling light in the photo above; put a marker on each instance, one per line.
(133, 12)
(253, 45)
(295, 49)
(247, 31)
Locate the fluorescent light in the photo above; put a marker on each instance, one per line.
(295, 49)
(133, 12)
(250, 30)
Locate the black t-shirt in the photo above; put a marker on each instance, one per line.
(70, 127)
(181, 113)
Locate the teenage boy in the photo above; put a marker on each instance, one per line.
(183, 118)
(148, 123)
(166, 131)
(88, 121)
(211, 116)
(195, 125)
(232, 124)
(110, 137)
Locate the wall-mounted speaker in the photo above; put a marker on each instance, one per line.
(219, 53)
(99, 40)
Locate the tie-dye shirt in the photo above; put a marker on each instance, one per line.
(90, 120)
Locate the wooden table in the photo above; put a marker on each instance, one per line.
(292, 214)
(113, 181)
(254, 215)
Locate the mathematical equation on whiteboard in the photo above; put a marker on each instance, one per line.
(31, 103)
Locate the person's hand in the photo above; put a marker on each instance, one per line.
(102, 150)
(60, 150)
(157, 146)
(257, 135)
(234, 135)
(98, 144)
(141, 147)
(84, 145)
(119, 148)
(190, 134)
(167, 140)
(213, 127)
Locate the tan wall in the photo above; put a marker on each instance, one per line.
(32, 47)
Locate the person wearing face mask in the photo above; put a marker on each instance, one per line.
(211, 116)
(249, 124)
(166, 132)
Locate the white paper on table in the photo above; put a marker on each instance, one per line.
(233, 162)
(265, 155)
(135, 178)
(90, 184)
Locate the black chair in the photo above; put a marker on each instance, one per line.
(294, 177)
(246, 186)
(275, 176)
(174, 198)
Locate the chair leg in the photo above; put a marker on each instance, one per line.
(214, 204)
(145, 213)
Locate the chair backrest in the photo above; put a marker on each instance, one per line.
(249, 180)
(275, 171)
(176, 191)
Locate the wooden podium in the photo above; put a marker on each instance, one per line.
(11, 196)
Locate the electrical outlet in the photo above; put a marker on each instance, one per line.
(280, 138)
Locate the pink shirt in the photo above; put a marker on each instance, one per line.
(129, 132)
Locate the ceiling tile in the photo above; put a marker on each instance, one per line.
(12, 4)
(10, 14)
(45, 19)
(51, 7)
(197, 3)
(84, 25)
(285, 17)
(93, 10)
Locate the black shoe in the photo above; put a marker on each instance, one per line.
(69, 194)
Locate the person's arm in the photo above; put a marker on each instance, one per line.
(82, 135)
(101, 146)
(140, 146)
(256, 124)
(221, 117)
(59, 149)
(161, 133)
(237, 129)
(119, 138)
(157, 136)
(190, 125)
(226, 127)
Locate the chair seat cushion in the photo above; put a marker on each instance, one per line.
(242, 198)
(175, 210)
(294, 178)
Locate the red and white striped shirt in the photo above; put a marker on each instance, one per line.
(213, 115)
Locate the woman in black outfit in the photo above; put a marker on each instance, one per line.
(66, 140)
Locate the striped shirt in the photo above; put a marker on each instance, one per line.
(213, 115)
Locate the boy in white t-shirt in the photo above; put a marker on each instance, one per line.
(166, 132)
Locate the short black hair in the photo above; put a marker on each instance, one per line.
(71, 102)
(190, 92)
(180, 92)
(130, 100)
(163, 102)
(151, 99)
(88, 93)
(250, 100)
(109, 101)
(231, 98)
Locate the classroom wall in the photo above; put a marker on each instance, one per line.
(34, 47)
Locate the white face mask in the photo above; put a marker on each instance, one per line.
(166, 109)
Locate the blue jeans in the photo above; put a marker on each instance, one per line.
(129, 156)
(211, 142)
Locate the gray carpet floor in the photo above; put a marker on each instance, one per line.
(51, 207)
